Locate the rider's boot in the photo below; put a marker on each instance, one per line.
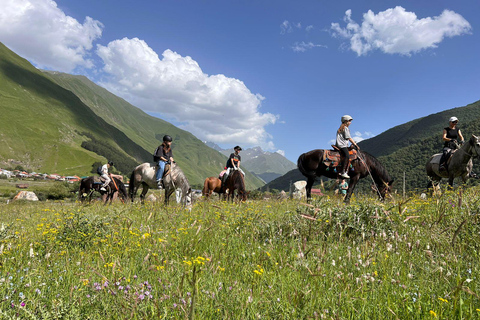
(344, 174)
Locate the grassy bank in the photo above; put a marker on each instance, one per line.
(402, 259)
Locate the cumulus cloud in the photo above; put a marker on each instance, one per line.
(287, 27)
(359, 136)
(213, 107)
(397, 31)
(39, 30)
(304, 46)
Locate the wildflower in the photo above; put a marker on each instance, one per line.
(433, 313)
(443, 300)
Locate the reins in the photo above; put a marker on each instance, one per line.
(370, 174)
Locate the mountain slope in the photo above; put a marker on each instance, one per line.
(267, 165)
(55, 122)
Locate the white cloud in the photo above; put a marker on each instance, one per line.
(213, 107)
(287, 27)
(309, 28)
(359, 136)
(399, 31)
(304, 46)
(40, 31)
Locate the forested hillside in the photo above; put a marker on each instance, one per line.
(405, 149)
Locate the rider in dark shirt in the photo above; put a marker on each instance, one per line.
(162, 156)
(451, 137)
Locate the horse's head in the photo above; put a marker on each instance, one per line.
(475, 145)
(188, 197)
(385, 189)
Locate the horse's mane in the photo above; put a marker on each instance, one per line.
(240, 179)
(378, 171)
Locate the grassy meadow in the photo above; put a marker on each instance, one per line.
(401, 259)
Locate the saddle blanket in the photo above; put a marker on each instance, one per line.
(331, 158)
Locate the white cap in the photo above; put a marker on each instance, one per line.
(346, 118)
(453, 119)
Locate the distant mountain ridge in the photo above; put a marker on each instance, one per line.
(56, 122)
(264, 164)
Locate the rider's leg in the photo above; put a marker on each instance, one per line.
(107, 181)
(443, 159)
(161, 169)
(345, 163)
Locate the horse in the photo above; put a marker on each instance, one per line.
(144, 175)
(311, 166)
(459, 165)
(236, 181)
(211, 184)
(89, 185)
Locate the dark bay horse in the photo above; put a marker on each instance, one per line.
(91, 184)
(144, 175)
(211, 184)
(311, 165)
(236, 181)
(459, 165)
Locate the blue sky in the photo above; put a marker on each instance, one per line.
(278, 74)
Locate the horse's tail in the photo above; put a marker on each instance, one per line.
(131, 185)
(205, 188)
(300, 161)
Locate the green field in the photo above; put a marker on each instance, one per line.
(401, 259)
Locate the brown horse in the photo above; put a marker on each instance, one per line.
(311, 166)
(236, 182)
(211, 184)
(91, 184)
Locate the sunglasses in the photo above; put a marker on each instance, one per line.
(454, 121)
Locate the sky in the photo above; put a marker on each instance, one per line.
(271, 73)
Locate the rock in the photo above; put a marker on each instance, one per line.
(283, 195)
(26, 195)
(151, 198)
(299, 191)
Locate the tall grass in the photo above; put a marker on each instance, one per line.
(402, 259)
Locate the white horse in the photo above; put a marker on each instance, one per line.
(459, 165)
(175, 180)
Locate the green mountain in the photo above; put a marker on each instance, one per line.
(55, 122)
(405, 149)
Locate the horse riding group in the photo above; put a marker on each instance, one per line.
(162, 174)
(343, 162)
(349, 162)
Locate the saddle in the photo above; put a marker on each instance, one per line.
(332, 158)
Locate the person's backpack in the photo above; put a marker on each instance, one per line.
(155, 157)
(99, 170)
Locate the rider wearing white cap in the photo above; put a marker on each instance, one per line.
(343, 137)
(451, 136)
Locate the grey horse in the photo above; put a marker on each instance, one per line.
(144, 175)
(459, 165)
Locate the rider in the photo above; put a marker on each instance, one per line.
(105, 175)
(162, 156)
(451, 136)
(343, 136)
(233, 162)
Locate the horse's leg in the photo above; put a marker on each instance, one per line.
(451, 177)
(351, 187)
(168, 193)
(144, 192)
(309, 186)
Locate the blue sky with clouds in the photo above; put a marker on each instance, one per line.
(278, 74)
